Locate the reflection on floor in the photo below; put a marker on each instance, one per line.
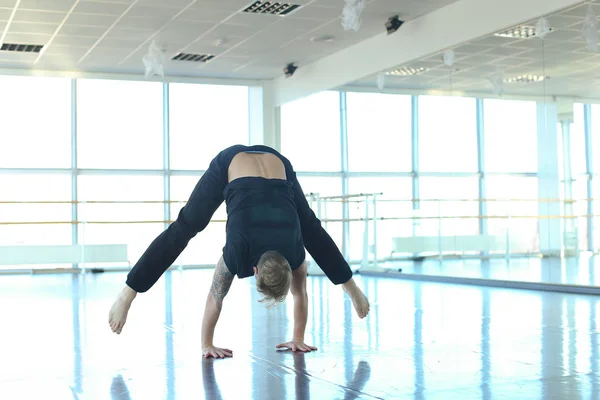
(583, 270)
(421, 341)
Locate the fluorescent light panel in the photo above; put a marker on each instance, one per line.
(526, 79)
(519, 32)
(407, 71)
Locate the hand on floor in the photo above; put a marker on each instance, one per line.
(216, 352)
(297, 345)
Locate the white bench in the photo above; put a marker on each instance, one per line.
(63, 254)
(458, 244)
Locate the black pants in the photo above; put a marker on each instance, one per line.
(205, 199)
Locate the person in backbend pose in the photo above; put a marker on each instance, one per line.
(269, 225)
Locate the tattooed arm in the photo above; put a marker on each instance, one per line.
(221, 283)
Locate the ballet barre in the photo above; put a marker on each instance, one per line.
(366, 228)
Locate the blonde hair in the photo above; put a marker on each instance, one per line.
(274, 277)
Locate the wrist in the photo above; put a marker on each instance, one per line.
(300, 295)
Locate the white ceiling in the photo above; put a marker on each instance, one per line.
(562, 55)
(114, 35)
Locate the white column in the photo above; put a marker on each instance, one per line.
(549, 186)
(264, 117)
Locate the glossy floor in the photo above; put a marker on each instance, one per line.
(421, 341)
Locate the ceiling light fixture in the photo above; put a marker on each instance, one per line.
(270, 7)
(520, 32)
(407, 71)
(526, 79)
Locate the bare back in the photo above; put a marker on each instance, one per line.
(264, 165)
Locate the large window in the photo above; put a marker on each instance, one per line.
(310, 132)
(124, 218)
(54, 219)
(595, 133)
(204, 120)
(393, 204)
(510, 131)
(596, 220)
(119, 124)
(35, 127)
(379, 132)
(447, 134)
(580, 209)
(512, 204)
(323, 186)
(315, 188)
(450, 206)
(578, 157)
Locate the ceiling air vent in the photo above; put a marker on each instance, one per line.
(193, 57)
(270, 7)
(22, 48)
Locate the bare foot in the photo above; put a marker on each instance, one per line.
(359, 300)
(118, 312)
